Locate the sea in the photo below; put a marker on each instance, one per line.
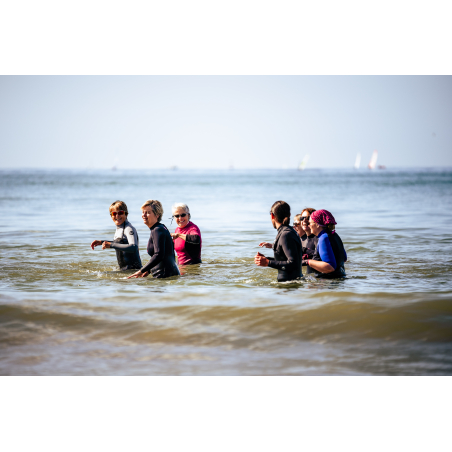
(67, 310)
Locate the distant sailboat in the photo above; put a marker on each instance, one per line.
(303, 163)
(373, 160)
(357, 161)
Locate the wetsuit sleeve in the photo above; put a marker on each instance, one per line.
(309, 251)
(158, 239)
(291, 251)
(326, 251)
(345, 255)
(193, 239)
(130, 247)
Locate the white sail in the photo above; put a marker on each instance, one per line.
(373, 160)
(357, 161)
(304, 162)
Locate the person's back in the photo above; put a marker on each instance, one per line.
(288, 254)
(287, 246)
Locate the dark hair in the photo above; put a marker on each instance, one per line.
(281, 211)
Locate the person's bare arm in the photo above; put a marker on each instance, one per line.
(322, 267)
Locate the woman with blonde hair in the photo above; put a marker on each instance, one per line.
(125, 241)
(160, 246)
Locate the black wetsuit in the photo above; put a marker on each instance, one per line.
(125, 243)
(161, 249)
(287, 248)
(326, 239)
(309, 244)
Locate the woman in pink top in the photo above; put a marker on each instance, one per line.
(187, 238)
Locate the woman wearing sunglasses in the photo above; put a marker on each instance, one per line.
(160, 246)
(308, 239)
(125, 240)
(329, 257)
(187, 237)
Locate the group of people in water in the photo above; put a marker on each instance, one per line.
(312, 241)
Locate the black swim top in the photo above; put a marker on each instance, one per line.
(287, 249)
(161, 249)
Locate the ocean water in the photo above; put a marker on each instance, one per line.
(66, 310)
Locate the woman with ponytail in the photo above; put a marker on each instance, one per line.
(287, 245)
(329, 256)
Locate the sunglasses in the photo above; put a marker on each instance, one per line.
(183, 215)
(305, 218)
(296, 223)
(119, 212)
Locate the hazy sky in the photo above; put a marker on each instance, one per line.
(218, 121)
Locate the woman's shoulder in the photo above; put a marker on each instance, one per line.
(159, 228)
(129, 225)
(191, 227)
(323, 237)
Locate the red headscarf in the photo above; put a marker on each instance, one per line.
(323, 217)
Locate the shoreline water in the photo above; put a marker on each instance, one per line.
(64, 309)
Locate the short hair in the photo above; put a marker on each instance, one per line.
(156, 207)
(297, 217)
(281, 211)
(308, 209)
(180, 205)
(121, 205)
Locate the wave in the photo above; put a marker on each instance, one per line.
(345, 319)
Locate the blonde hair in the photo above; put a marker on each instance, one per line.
(121, 205)
(156, 207)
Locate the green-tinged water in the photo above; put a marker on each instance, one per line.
(66, 310)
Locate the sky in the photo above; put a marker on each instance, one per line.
(134, 122)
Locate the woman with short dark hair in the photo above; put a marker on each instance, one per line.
(287, 245)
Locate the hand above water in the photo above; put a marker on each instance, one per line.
(106, 245)
(138, 274)
(266, 245)
(260, 260)
(96, 243)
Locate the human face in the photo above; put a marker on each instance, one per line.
(305, 222)
(297, 226)
(117, 217)
(181, 221)
(148, 215)
(315, 228)
(272, 218)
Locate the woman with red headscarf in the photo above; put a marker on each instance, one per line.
(329, 256)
